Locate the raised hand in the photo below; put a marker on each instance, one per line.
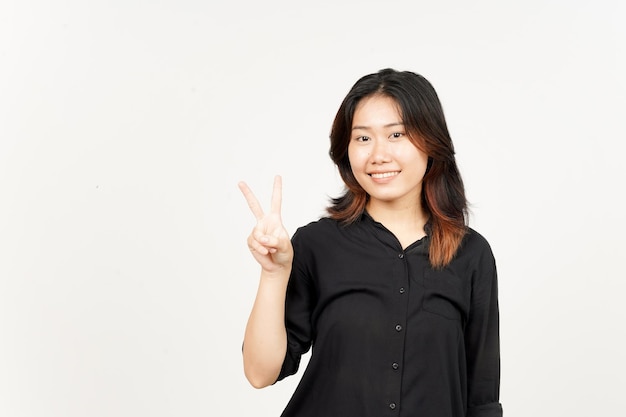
(269, 241)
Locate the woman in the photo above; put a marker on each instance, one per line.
(396, 295)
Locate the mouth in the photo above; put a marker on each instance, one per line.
(381, 175)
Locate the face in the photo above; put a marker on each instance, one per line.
(384, 161)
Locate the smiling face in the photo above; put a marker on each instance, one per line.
(384, 160)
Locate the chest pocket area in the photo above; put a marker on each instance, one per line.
(446, 294)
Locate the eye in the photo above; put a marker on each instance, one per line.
(362, 139)
(396, 135)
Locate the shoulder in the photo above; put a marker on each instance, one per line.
(314, 241)
(475, 249)
(475, 240)
(317, 230)
(328, 237)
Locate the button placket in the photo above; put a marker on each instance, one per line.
(401, 282)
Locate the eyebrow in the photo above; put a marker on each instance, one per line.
(387, 125)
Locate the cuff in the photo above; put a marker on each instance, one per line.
(485, 410)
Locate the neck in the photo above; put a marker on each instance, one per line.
(393, 216)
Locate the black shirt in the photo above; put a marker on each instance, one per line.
(390, 335)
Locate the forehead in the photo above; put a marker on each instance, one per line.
(376, 110)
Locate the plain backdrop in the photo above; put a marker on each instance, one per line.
(125, 280)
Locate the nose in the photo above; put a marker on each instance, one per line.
(380, 151)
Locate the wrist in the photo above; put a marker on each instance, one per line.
(278, 274)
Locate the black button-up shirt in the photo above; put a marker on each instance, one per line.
(390, 335)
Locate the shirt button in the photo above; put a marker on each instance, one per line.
(392, 406)
(395, 366)
(398, 327)
(401, 255)
(402, 290)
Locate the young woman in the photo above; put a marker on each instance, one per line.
(395, 294)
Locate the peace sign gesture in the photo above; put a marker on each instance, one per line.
(269, 241)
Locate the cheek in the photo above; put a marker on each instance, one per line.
(422, 160)
(414, 156)
(353, 157)
(358, 155)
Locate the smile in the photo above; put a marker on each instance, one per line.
(380, 175)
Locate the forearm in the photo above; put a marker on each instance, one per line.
(265, 341)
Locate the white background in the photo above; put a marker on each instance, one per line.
(125, 281)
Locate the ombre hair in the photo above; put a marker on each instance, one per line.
(443, 194)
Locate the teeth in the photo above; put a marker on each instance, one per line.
(385, 174)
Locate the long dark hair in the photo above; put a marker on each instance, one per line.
(443, 194)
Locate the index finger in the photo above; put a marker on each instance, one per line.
(253, 203)
(277, 194)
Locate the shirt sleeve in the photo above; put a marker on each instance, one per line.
(482, 341)
(299, 305)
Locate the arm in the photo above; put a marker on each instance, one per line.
(483, 343)
(265, 340)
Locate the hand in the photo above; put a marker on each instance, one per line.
(269, 241)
